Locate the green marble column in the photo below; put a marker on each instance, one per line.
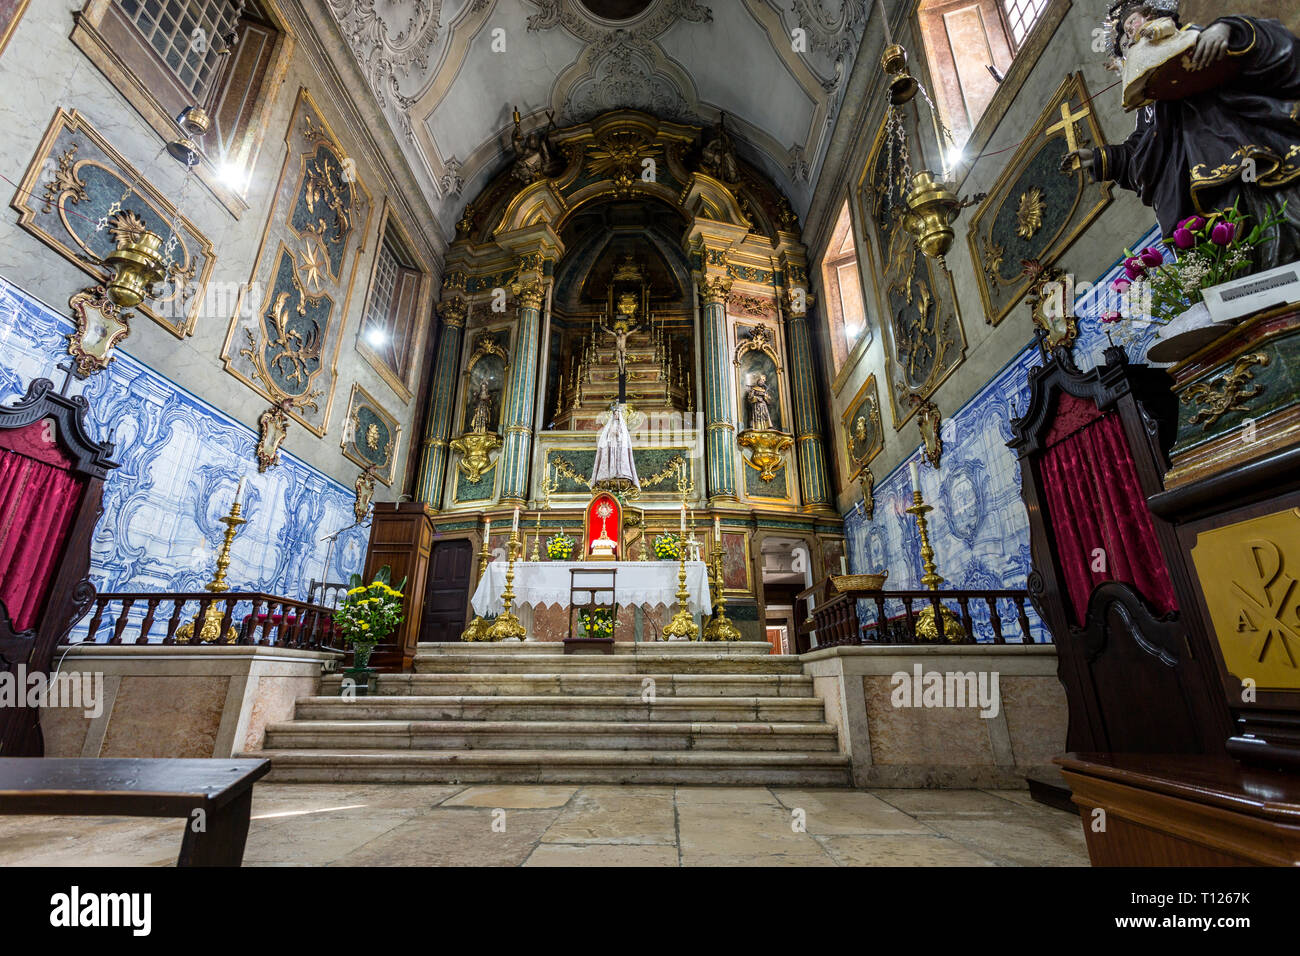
(810, 450)
(442, 393)
(720, 428)
(518, 414)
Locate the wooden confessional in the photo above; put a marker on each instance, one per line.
(51, 495)
(1138, 678)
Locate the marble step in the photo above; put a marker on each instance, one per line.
(726, 709)
(711, 767)
(667, 650)
(547, 735)
(585, 685)
(599, 664)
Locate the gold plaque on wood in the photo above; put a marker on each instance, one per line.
(1248, 573)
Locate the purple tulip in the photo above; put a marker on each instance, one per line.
(1134, 268)
(1184, 239)
(1152, 257)
(1223, 233)
(1120, 285)
(1191, 224)
(1111, 316)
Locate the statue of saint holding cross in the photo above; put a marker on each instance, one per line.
(1216, 120)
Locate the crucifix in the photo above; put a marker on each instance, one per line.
(1067, 125)
(69, 371)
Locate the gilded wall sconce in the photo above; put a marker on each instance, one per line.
(767, 450)
(365, 493)
(475, 450)
(272, 430)
(929, 420)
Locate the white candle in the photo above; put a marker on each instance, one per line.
(515, 526)
(683, 519)
(916, 475)
(487, 528)
(717, 528)
(239, 490)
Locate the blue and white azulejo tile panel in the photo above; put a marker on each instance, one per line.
(181, 459)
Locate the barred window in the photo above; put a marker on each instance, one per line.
(1022, 15)
(186, 35)
(389, 323)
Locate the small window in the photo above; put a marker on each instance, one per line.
(389, 325)
(967, 42)
(845, 310)
(1021, 16)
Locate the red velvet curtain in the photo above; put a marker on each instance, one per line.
(1094, 501)
(38, 501)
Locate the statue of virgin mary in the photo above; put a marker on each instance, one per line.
(615, 469)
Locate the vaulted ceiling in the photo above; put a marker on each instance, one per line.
(448, 73)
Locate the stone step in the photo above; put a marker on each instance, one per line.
(713, 767)
(547, 735)
(600, 664)
(584, 685)
(726, 709)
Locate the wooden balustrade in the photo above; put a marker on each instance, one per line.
(834, 615)
(261, 619)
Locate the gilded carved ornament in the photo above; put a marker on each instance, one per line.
(1227, 392)
(715, 289)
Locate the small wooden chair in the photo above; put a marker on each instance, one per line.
(587, 586)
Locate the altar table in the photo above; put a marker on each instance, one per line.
(638, 583)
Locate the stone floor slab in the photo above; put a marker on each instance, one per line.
(933, 850)
(616, 815)
(847, 812)
(512, 797)
(603, 854)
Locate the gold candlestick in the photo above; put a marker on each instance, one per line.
(478, 628)
(683, 623)
(506, 625)
(210, 629)
(720, 627)
(926, 628)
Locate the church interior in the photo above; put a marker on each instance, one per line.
(650, 422)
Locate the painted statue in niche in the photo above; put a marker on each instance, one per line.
(759, 398)
(486, 380)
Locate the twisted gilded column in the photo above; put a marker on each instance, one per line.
(442, 393)
(810, 449)
(517, 450)
(720, 428)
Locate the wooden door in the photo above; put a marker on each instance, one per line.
(446, 592)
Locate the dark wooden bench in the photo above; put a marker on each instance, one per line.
(142, 787)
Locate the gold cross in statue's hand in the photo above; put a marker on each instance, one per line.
(1067, 124)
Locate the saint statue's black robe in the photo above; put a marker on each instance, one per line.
(1200, 154)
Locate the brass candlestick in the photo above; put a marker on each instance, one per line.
(478, 628)
(210, 629)
(548, 487)
(506, 625)
(926, 628)
(720, 628)
(683, 623)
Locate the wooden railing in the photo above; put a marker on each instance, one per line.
(835, 621)
(156, 617)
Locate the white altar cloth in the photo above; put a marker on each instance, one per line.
(644, 583)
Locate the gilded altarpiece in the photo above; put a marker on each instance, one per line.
(284, 338)
(924, 339)
(69, 189)
(1035, 211)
